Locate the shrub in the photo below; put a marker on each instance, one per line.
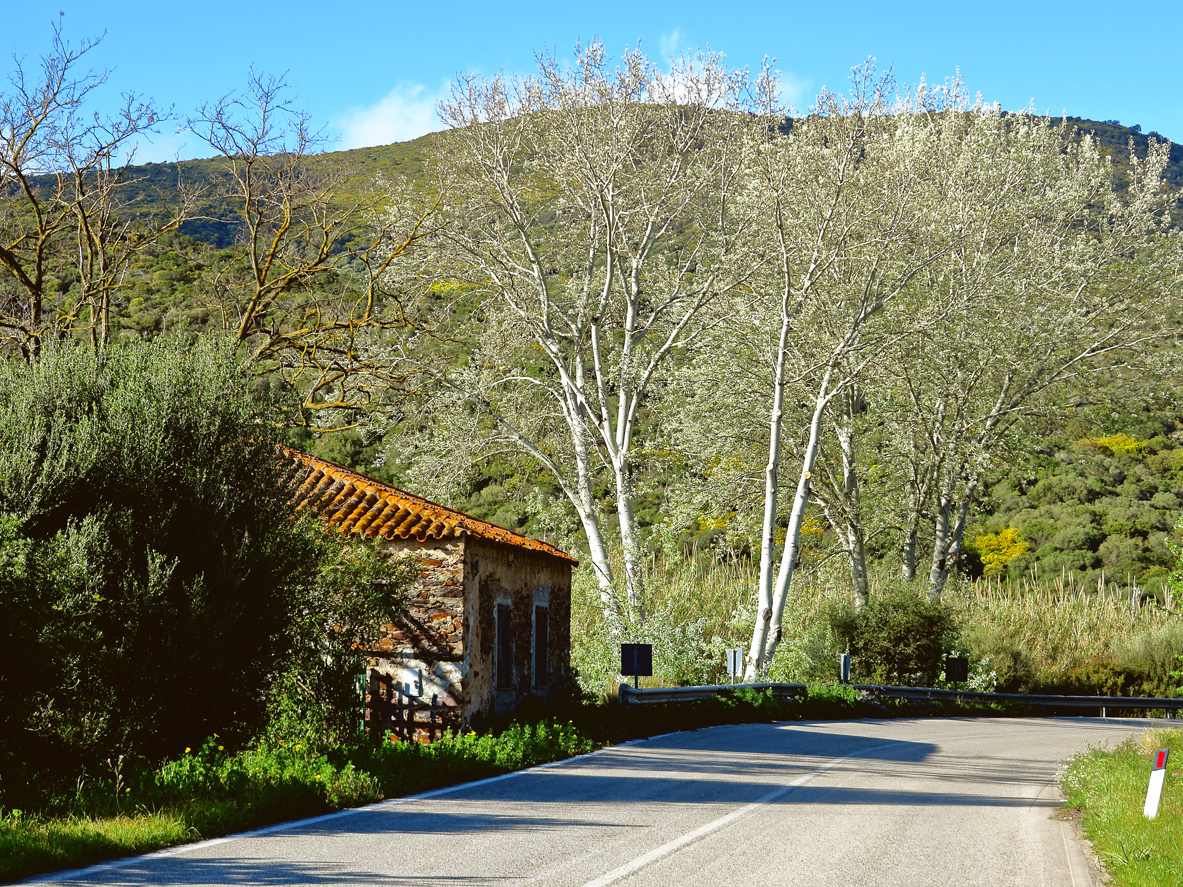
(1014, 670)
(998, 549)
(896, 638)
(163, 582)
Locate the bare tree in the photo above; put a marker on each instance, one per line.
(64, 174)
(303, 284)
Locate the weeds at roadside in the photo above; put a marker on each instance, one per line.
(1109, 785)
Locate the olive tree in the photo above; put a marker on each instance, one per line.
(155, 582)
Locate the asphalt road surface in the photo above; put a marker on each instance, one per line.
(896, 802)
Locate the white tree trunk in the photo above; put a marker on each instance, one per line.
(771, 492)
(908, 555)
(950, 530)
(630, 541)
(767, 633)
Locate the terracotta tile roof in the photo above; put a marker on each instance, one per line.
(355, 504)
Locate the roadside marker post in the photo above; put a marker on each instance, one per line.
(733, 662)
(1154, 791)
(844, 668)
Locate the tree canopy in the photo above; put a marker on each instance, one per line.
(154, 581)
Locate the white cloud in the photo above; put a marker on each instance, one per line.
(669, 45)
(796, 92)
(406, 112)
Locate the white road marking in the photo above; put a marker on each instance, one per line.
(1068, 853)
(666, 849)
(616, 874)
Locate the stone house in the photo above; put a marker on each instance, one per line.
(489, 622)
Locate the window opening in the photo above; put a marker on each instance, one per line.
(541, 646)
(504, 647)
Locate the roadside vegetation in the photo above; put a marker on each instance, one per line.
(133, 807)
(1019, 635)
(802, 385)
(1109, 786)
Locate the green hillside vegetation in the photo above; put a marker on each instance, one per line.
(1101, 508)
(367, 167)
(372, 270)
(1076, 504)
(168, 283)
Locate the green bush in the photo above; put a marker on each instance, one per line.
(898, 637)
(1014, 669)
(153, 581)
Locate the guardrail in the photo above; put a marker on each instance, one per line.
(632, 696)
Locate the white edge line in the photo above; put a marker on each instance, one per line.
(314, 820)
(665, 849)
(1068, 852)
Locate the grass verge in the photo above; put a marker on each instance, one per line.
(1109, 786)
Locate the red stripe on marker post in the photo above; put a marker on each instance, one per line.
(1154, 790)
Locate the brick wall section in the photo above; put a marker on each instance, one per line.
(435, 627)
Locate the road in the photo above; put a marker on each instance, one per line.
(900, 802)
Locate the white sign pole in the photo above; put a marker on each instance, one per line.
(1157, 775)
(733, 654)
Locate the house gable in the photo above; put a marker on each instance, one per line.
(440, 665)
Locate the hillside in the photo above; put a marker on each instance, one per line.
(366, 168)
(1079, 505)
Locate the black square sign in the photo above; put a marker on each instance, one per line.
(636, 659)
(957, 669)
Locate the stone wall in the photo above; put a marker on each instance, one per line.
(522, 579)
(446, 645)
(423, 653)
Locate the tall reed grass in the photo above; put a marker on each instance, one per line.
(699, 606)
(1059, 625)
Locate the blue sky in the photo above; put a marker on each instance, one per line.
(370, 72)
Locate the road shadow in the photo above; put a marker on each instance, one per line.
(433, 818)
(262, 873)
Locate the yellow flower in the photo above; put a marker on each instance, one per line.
(186, 750)
(219, 748)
